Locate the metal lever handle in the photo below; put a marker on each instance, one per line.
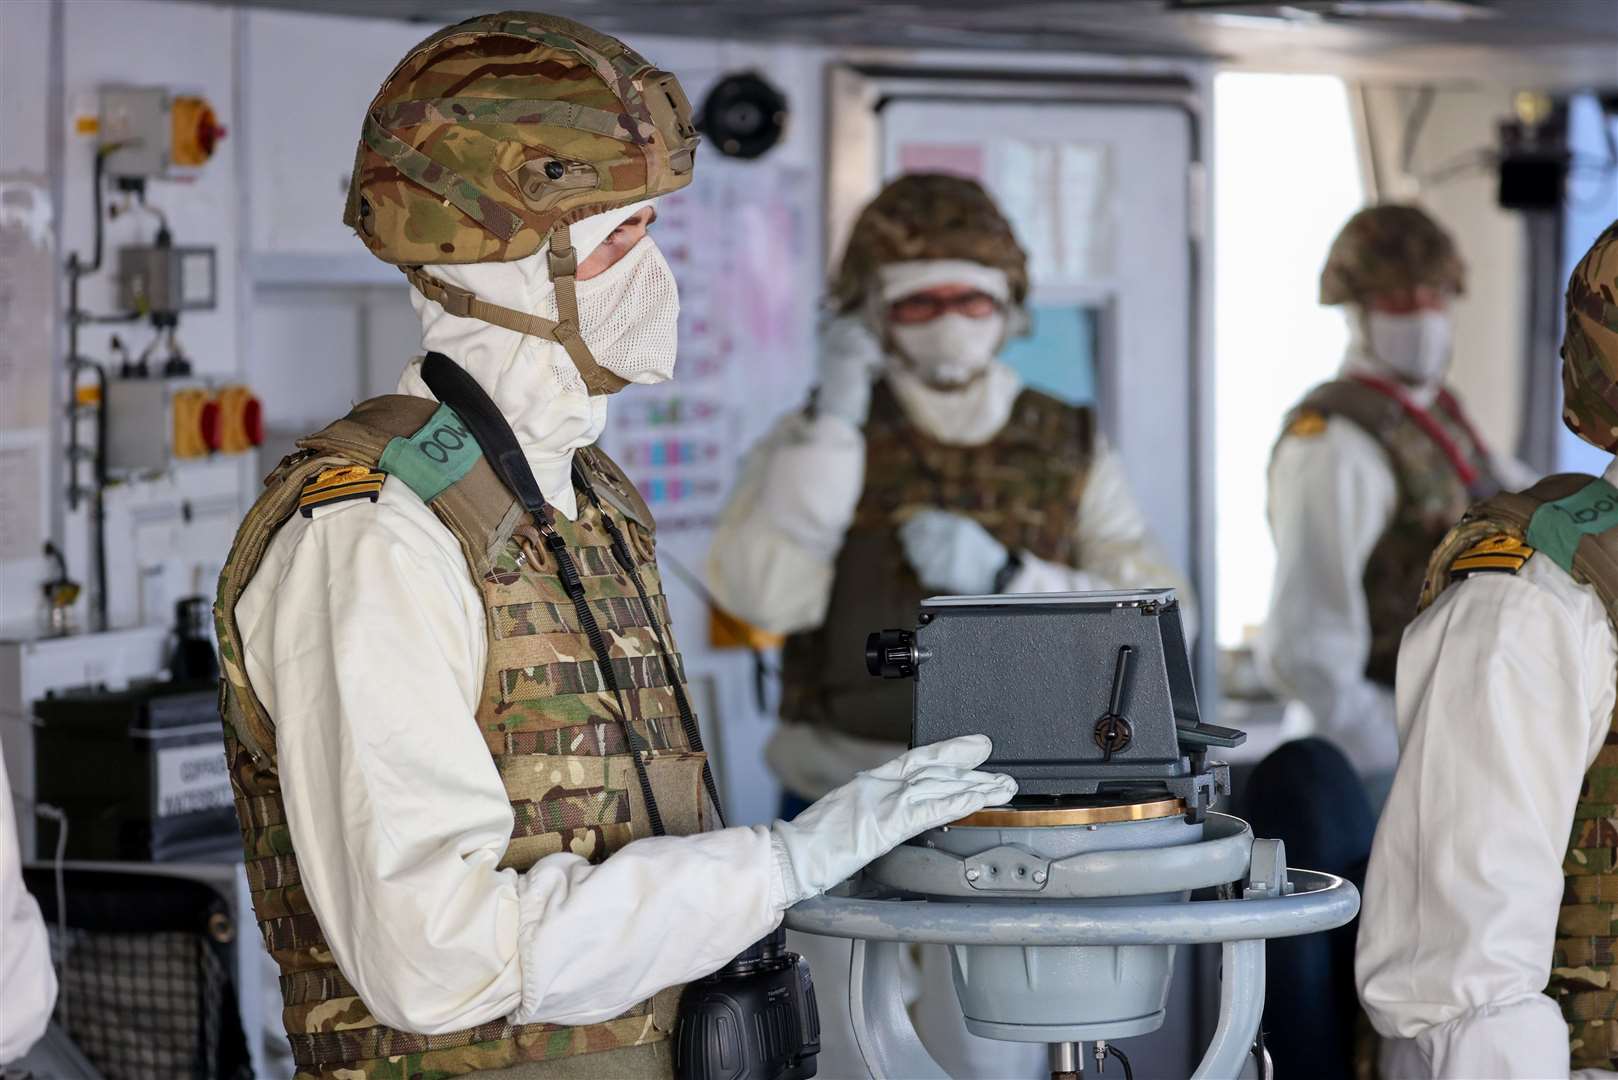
(1113, 732)
(1119, 675)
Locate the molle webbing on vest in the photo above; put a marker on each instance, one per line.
(546, 715)
(1024, 486)
(1584, 966)
(1431, 496)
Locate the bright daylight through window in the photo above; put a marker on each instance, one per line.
(1288, 179)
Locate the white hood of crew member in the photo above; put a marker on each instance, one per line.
(972, 400)
(531, 379)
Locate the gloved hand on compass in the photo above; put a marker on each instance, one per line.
(880, 809)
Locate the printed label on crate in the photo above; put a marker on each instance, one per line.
(191, 779)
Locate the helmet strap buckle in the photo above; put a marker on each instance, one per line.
(452, 298)
(456, 301)
(563, 264)
(562, 256)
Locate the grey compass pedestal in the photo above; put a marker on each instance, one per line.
(1062, 934)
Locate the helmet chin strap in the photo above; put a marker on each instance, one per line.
(563, 266)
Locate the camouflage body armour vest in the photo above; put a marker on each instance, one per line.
(550, 723)
(1432, 495)
(1498, 534)
(1023, 486)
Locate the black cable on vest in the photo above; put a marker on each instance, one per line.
(688, 718)
(453, 386)
(569, 574)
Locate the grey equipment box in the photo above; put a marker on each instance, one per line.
(164, 280)
(140, 422)
(1084, 694)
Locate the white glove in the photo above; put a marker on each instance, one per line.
(952, 553)
(881, 809)
(850, 359)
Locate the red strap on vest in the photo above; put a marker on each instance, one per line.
(1447, 402)
(1458, 460)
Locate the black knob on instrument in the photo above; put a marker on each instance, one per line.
(891, 654)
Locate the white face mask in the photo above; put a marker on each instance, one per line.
(951, 350)
(1416, 347)
(629, 315)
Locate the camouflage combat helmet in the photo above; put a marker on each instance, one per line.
(1590, 345)
(928, 216)
(1387, 248)
(493, 135)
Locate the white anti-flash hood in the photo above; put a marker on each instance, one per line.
(531, 379)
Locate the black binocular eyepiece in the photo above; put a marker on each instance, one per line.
(753, 1019)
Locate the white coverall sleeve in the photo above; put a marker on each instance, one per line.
(365, 638)
(1505, 696)
(775, 547)
(1116, 548)
(1331, 497)
(27, 979)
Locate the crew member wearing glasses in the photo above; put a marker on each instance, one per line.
(920, 466)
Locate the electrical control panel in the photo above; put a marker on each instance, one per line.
(163, 280)
(154, 422)
(152, 131)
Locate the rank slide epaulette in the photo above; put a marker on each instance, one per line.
(1496, 555)
(1307, 424)
(338, 485)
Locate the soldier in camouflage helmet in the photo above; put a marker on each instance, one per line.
(1503, 821)
(921, 465)
(1390, 249)
(1590, 350)
(480, 829)
(928, 216)
(1370, 469)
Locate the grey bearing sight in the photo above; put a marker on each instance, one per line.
(1063, 909)
(1084, 694)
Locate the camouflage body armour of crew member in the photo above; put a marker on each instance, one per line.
(1024, 486)
(481, 146)
(1432, 493)
(1572, 520)
(1439, 464)
(549, 720)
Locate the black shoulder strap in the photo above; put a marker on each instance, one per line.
(453, 386)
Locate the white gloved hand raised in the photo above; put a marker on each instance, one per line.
(952, 553)
(880, 809)
(850, 359)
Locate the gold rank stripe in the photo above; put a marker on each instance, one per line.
(1488, 562)
(1307, 424)
(1497, 553)
(313, 497)
(347, 474)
